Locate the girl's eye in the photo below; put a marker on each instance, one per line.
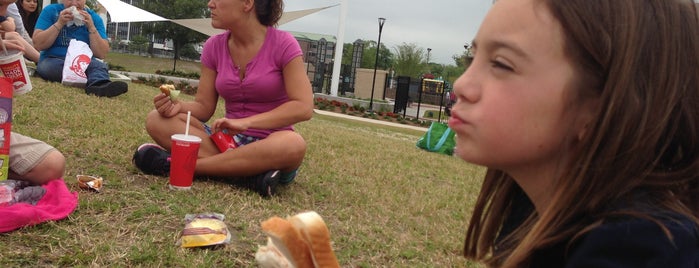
(500, 65)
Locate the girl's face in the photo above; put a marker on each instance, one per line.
(29, 5)
(511, 102)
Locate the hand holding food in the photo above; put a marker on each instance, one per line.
(170, 91)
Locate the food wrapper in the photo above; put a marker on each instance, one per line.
(202, 230)
(78, 19)
(92, 183)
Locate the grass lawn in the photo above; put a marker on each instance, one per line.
(386, 203)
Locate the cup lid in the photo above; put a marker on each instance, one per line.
(188, 138)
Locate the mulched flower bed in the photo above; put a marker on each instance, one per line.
(360, 111)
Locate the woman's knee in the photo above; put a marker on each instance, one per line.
(296, 145)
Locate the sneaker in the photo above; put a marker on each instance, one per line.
(108, 89)
(264, 184)
(152, 159)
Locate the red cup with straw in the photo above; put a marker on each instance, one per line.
(185, 150)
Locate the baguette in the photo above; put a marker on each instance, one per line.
(299, 241)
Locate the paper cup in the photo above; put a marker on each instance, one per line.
(13, 67)
(185, 149)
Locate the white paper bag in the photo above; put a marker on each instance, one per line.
(77, 59)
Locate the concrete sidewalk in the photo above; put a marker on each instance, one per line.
(369, 120)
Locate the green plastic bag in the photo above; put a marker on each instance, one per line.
(439, 138)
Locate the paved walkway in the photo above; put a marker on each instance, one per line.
(358, 118)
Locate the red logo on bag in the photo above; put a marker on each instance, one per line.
(79, 65)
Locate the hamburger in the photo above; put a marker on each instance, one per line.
(170, 91)
(300, 241)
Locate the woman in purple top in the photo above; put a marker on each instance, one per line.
(258, 71)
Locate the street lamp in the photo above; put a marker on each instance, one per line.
(428, 60)
(428, 55)
(376, 63)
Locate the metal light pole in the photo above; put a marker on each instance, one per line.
(428, 60)
(428, 55)
(376, 63)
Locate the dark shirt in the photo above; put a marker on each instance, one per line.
(630, 242)
(621, 242)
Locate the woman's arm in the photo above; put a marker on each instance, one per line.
(98, 45)
(204, 104)
(44, 38)
(298, 108)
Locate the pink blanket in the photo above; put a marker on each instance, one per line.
(57, 203)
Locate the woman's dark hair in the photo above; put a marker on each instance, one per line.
(269, 11)
(29, 19)
(640, 60)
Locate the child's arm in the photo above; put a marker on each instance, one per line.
(7, 24)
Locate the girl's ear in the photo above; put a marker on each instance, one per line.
(248, 5)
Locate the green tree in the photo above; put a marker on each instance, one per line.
(452, 72)
(463, 59)
(138, 43)
(347, 50)
(369, 56)
(409, 60)
(176, 9)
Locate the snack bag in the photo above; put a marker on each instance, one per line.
(202, 230)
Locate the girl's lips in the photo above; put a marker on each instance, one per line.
(455, 120)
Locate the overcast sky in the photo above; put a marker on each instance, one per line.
(442, 25)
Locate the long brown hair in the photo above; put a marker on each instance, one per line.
(640, 60)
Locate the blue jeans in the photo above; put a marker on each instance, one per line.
(51, 69)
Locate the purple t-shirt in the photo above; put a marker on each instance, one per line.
(262, 89)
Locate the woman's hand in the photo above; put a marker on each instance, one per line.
(165, 106)
(87, 19)
(233, 126)
(65, 16)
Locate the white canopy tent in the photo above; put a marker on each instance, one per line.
(123, 12)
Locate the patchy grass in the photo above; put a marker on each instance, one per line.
(387, 203)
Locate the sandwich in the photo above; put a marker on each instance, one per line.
(300, 241)
(170, 91)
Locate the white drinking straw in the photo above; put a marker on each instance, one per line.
(186, 128)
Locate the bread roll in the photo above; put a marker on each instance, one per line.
(285, 239)
(299, 241)
(165, 89)
(317, 235)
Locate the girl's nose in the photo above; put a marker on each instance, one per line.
(467, 86)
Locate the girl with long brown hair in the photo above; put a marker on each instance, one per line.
(586, 114)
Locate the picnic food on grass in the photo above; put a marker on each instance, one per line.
(302, 240)
(87, 182)
(205, 229)
(170, 91)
